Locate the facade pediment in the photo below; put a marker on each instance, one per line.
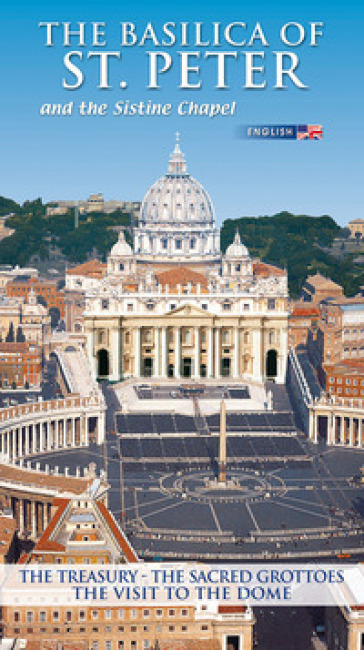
(189, 310)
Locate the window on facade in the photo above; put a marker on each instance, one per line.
(129, 306)
(56, 615)
(165, 243)
(192, 243)
(159, 612)
(120, 613)
(226, 336)
(95, 613)
(178, 244)
(104, 303)
(16, 617)
(121, 267)
(108, 614)
(271, 303)
(146, 644)
(42, 616)
(133, 613)
(226, 306)
(29, 617)
(171, 612)
(188, 336)
(150, 306)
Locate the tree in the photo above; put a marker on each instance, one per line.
(10, 337)
(20, 338)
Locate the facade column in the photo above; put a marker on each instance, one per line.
(177, 352)
(197, 353)
(90, 352)
(210, 353)
(257, 354)
(236, 353)
(156, 370)
(217, 353)
(360, 431)
(282, 369)
(164, 360)
(137, 350)
(64, 432)
(115, 354)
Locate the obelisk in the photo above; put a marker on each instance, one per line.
(222, 454)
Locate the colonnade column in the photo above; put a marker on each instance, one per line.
(236, 353)
(164, 369)
(177, 352)
(210, 352)
(217, 352)
(197, 353)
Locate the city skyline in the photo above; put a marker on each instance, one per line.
(72, 156)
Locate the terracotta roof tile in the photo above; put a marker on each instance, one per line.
(181, 275)
(118, 534)
(93, 269)
(265, 270)
(60, 483)
(44, 542)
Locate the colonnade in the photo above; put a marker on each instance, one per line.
(48, 426)
(337, 425)
(205, 354)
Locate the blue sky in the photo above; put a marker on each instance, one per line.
(72, 156)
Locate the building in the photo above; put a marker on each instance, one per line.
(82, 530)
(338, 335)
(174, 306)
(8, 273)
(301, 319)
(346, 380)
(27, 318)
(79, 280)
(20, 287)
(317, 287)
(94, 203)
(356, 227)
(20, 365)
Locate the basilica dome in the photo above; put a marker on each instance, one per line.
(121, 248)
(177, 198)
(237, 249)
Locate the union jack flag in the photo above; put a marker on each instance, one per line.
(310, 132)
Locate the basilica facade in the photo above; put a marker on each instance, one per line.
(173, 306)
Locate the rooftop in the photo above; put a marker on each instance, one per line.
(320, 282)
(91, 269)
(42, 480)
(265, 270)
(181, 275)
